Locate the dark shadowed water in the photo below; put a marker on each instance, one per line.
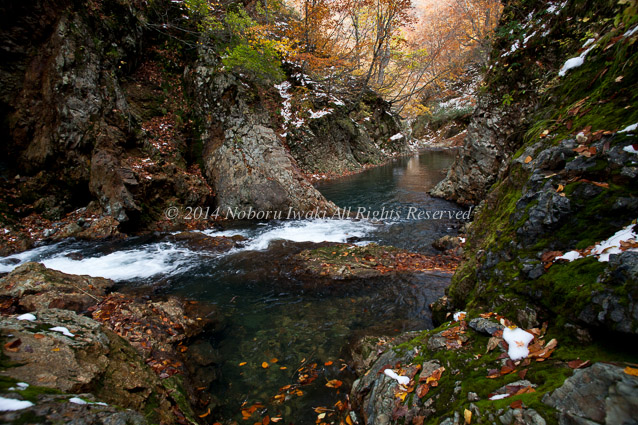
(270, 313)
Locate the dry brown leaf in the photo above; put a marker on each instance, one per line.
(493, 343)
(578, 364)
(528, 159)
(517, 404)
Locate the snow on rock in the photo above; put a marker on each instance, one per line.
(570, 256)
(574, 62)
(613, 245)
(499, 396)
(397, 136)
(517, 339)
(7, 404)
(459, 315)
(630, 149)
(629, 128)
(64, 331)
(78, 400)
(319, 114)
(402, 380)
(27, 316)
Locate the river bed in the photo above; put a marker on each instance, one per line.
(276, 323)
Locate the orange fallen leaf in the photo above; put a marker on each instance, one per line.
(274, 360)
(283, 367)
(577, 364)
(38, 336)
(467, 414)
(631, 371)
(242, 364)
(517, 404)
(265, 365)
(334, 383)
(275, 419)
(329, 363)
(205, 414)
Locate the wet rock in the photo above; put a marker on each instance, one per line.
(447, 242)
(600, 394)
(57, 409)
(485, 326)
(93, 359)
(201, 242)
(471, 396)
(36, 287)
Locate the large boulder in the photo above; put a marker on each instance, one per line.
(32, 286)
(244, 160)
(75, 354)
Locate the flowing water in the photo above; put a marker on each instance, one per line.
(271, 315)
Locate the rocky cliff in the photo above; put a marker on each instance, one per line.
(119, 107)
(551, 156)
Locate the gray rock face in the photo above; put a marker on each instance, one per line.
(600, 394)
(244, 159)
(486, 150)
(344, 141)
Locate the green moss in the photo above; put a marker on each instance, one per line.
(31, 393)
(175, 388)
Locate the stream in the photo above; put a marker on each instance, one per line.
(272, 317)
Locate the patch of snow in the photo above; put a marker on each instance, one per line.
(397, 136)
(21, 386)
(518, 340)
(574, 62)
(462, 240)
(612, 245)
(64, 331)
(499, 396)
(78, 400)
(629, 128)
(9, 404)
(319, 114)
(570, 256)
(588, 42)
(528, 38)
(631, 32)
(458, 314)
(402, 380)
(27, 316)
(630, 149)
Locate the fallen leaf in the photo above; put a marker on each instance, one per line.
(242, 364)
(578, 364)
(631, 371)
(283, 367)
(335, 383)
(38, 336)
(517, 404)
(265, 365)
(13, 346)
(422, 390)
(205, 414)
(349, 420)
(266, 420)
(528, 159)
(274, 360)
(522, 373)
(560, 188)
(493, 343)
(328, 363)
(275, 419)
(468, 416)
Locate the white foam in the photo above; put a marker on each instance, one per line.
(142, 263)
(310, 231)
